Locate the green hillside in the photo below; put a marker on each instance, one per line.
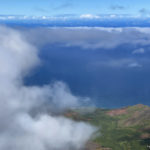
(119, 129)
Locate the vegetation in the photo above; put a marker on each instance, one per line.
(120, 129)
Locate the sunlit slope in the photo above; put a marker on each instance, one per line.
(119, 129)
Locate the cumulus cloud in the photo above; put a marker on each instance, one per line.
(43, 131)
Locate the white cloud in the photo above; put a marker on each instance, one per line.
(89, 16)
(18, 128)
(118, 63)
(135, 65)
(139, 51)
(113, 16)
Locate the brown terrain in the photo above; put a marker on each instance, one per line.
(95, 146)
(117, 112)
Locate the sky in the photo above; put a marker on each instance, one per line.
(73, 7)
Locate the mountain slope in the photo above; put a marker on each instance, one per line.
(118, 129)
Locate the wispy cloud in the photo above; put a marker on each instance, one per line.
(117, 7)
(66, 5)
(42, 10)
(118, 63)
(139, 51)
(135, 65)
(144, 11)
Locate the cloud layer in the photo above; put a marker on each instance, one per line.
(136, 40)
(18, 128)
(92, 38)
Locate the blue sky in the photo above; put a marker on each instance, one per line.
(77, 7)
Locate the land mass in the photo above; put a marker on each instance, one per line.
(118, 129)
